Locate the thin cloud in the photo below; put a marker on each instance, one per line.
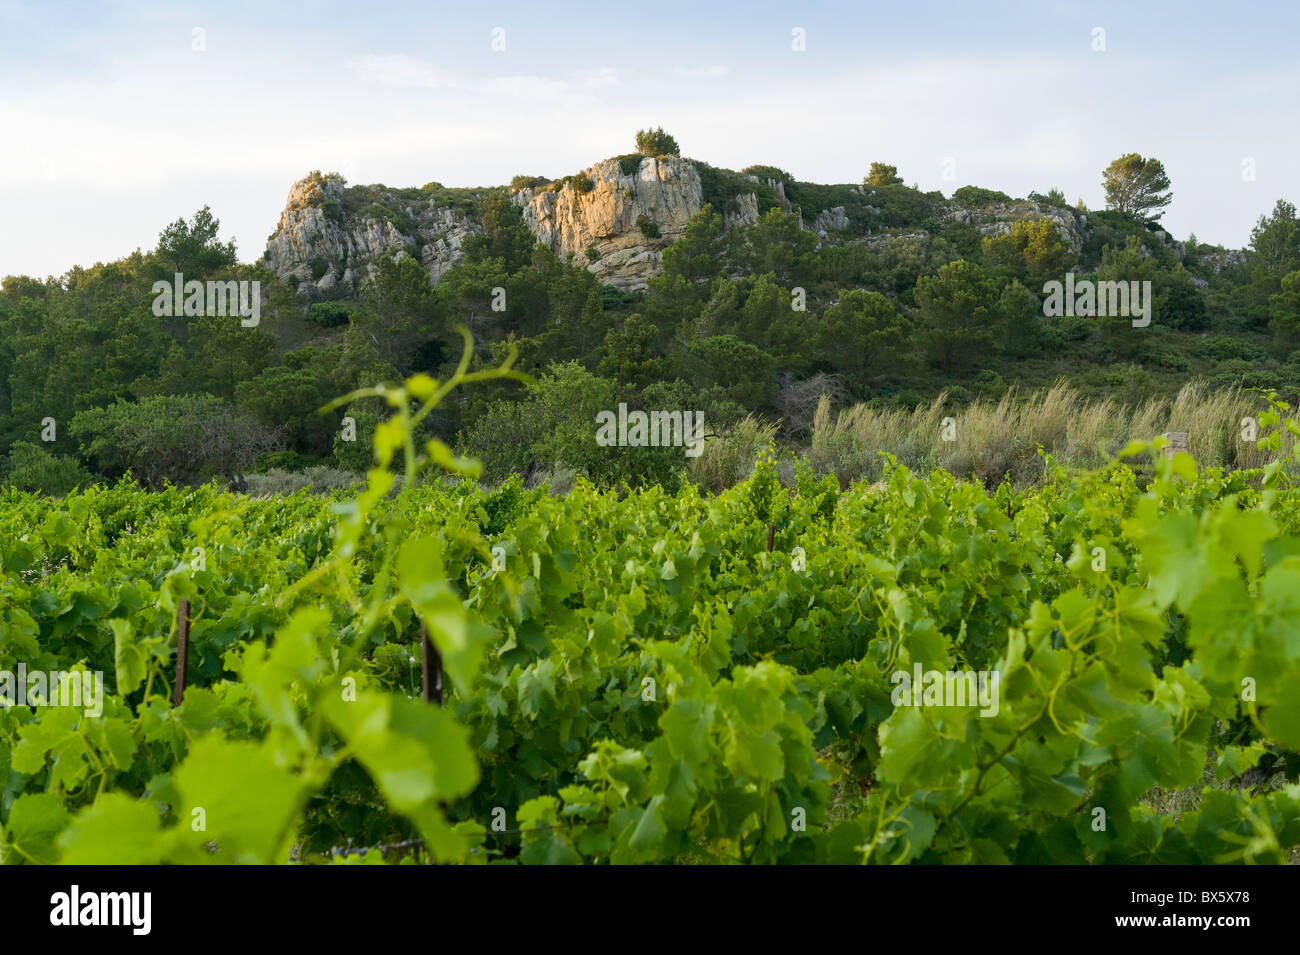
(702, 72)
(397, 71)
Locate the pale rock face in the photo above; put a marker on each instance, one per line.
(831, 220)
(997, 218)
(1218, 260)
(351, 250)
(746, 213)
(664, 192)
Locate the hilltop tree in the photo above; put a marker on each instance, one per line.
(1137, 186)
(1275, 241)
(193, 248)
(655, 142)
(883, 174)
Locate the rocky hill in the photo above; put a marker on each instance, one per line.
(614, 218)
(331, 237)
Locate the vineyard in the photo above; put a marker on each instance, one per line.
(645, 677)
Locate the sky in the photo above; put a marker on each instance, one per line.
(118, 118)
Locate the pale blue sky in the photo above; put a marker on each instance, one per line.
(114, 124)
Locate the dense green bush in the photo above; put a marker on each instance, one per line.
(655, 142)
(527, 182)
(33, 468)
(630, 163)
(330, 314)
(975, 196)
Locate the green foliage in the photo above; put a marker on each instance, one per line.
(865, 334)
(32, 468)
(504, 235)
(193, 248)
(582, 183)
(655, 142)
(352, 450)
(88, 340)
(630, 353)
(527, 182)
(1284, 312)
(1032, 250)
(556, 425)
(720, 187)
(636, 678)
(957, 313)
(648, 227)
(743, 371)
(330, 314)
(882, 174)
(629, 164)
(173, 438)
(1137, 186)
(976, 196)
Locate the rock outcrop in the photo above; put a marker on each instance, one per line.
(830, 220)
(319, 247)
(615, 223)
(744, 213)
(997, 218)
(614, 219)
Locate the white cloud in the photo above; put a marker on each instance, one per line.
(398, 71)
(702, 72)
(576, 89)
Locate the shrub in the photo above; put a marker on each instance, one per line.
(1223, 348)
(527, 182)
(630, 163)
(279, 460)
(318, 268)
(582, 183)
(882, 174)
(356, 455)
(1053, 197)
(329, 314)
(32, 468)
(655, 142)
(765, 173)
(975, 196)
(648, 227)
(612, 297)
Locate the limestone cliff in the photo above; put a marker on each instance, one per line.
(996, 218)
(614, 218)
(327, 238)
(614, 222)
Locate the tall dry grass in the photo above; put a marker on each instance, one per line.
(993, 440)
(729, 458)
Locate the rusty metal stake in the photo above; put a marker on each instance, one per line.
(430, 667)
(182, 649)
